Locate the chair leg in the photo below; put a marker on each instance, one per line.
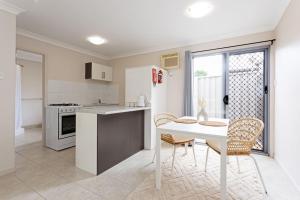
(207, 151)
(174, 152)
(185, 149)
(153, 157)
(194, 153)
(238, 164)
(260, 176)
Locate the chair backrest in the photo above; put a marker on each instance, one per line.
(246, 129)
(161, 119)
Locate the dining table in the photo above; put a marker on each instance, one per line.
(217, 133)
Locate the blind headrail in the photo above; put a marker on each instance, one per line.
(233, 46)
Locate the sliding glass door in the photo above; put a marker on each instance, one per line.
(209, 84)
(234, 85)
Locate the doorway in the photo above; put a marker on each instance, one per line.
(29, 98)
(234, 85)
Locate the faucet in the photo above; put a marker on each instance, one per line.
(99, 101)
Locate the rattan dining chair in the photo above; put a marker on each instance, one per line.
(174, 140)
(242, 136)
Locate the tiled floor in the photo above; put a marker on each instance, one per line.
(42, 173)
(29, 136)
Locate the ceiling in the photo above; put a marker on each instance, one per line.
(137, 26)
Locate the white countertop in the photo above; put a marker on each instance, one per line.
(106, 110)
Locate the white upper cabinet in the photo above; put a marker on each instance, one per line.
(96, 71)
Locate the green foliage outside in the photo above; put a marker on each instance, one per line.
(199, 73)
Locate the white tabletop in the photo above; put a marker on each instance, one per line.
(197, 129)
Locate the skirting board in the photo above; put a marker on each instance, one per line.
(4, 172)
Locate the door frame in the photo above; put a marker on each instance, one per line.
(44, 89)
(266, 81)
(267, 50)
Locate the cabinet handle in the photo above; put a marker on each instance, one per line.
(103, 75)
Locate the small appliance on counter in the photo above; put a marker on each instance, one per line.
(61, 125)
(141, 101)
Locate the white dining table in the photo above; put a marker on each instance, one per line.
(198, 131)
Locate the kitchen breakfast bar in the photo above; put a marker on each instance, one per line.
(107, 135)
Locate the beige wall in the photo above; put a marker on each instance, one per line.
(31, 92)
(31, 78)
(60, 63)
(287, 136)
(7, 89)
(176, 80)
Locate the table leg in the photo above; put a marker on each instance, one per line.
(223, 177)
(158, 164)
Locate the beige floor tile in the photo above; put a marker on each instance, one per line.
(68, 155)
(28, 172)
(67, 191)
(77, 194)
(13, 189)
(39, 155)
(107, 186)
(29, 146)
(30, 135)
(40, 181)
(147, 194)
(75, 174)
(21, 161)
(51, 187)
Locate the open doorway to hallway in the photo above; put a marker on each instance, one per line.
(29, 98)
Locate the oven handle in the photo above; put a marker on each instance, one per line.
(67, 114)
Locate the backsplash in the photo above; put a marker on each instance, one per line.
(84, 93)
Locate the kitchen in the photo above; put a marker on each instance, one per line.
(104, 132)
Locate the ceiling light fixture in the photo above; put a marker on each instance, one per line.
(199, 9)
(96, 40)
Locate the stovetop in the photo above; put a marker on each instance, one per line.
(64, 104)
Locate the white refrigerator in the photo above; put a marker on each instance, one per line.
(139, 81)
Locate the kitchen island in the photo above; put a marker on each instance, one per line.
(107, 135)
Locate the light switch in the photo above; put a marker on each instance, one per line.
(1, 75)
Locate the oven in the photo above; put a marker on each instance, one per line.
(66, 125)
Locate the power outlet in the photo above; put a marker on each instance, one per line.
(1, 75)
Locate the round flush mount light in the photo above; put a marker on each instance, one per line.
(199, 9)
(96, 40)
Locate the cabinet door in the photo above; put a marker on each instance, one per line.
(108, 73)
(101, 72)
(96, 72)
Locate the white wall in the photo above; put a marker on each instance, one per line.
(32, 92)
(84, 93)
(287, 106)
(7, 89)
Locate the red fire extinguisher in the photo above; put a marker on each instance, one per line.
(154, 76)
(160, 76)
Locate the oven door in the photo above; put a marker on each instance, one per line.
(66, 125)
